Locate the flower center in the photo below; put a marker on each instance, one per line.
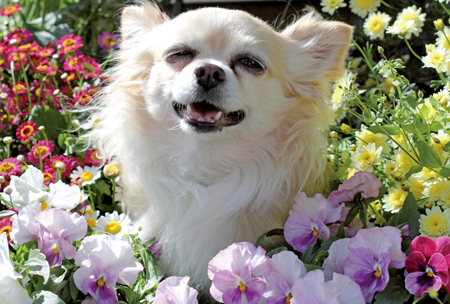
(87, 176)
(88, 68)
(6, 229)
(114, 227)
(69, 42)
(90, 212)
(242, 287)
(429, 272)
(101, 282)
(47, 177)
(27, 131)
(6, 120)
(56, 250)
(91, 222)
(9, 168)
(95, 157)
(85, 98)
(288, 298)
(41, 149)
(44, 205)
(10, 9)
(109, 41)
(19, 87)
(377, 273)
(45, 52)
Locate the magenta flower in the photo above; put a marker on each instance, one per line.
(286, 270)
(365, 182)
(44, 147)
(236, 273)
(105, 261)
(69, 43)
(426, 265)
(307, 219)
(108, 41)
(175, 290)
(10, 167)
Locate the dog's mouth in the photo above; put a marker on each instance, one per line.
(206, 117)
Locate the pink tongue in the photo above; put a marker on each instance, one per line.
(203, 113)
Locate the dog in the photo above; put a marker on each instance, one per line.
(218, 121)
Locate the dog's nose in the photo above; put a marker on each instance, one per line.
(209, 75)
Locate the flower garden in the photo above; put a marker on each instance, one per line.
(382, 235)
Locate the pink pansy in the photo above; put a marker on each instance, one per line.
(365, 182)
(236, 273)
(337, 254)
(175, 290)
(307, 219)
(105, 261)
(45, 148)
(108, 41)
(426, 265)
(286, 270)
(24, 227)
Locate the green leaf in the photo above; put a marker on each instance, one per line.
(273, 232)
(385, 129)
(57, 275)
(44, 37)
(445, 171)
(428, 156)
(51, 119)
(310, 253)
(4, 213)
(341, 231)
(73, 288)
(38, 265)
(276, 250)
(414, 169)
(311, 267)
(327, 244)
(45, 297)
(434, 102)
(411, 100)
(102, 186)
(394, 293)
(408, 214)
(351, 215)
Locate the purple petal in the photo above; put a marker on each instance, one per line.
(24, 227)
(311, 207)
(232, 296)
(80, 276)
(398, 257)
(288, 265)
(224, 259)
(418, 283)
(313, 284)
(303, 298)
(374, 239)
(253, 291)
(362, 181)
(298, 232)
(439, 266)
(276, 285)
(338, 253)
(222, 281)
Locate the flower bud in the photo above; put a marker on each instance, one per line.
(55, 56)
(439, 24)
(432, 293)
(20, 158)
(6, 23)
(333, 134)
(41, 128)
(436, 140)
(3, 95)
(428, 204)
(353, 147)
(380, 50)
(430, 47)
(7, 140)
(346, 128)
(8, 190)
(56, 92)
(420, 94)
(64, 75)
(2, 179)
(13, 41)
(111, 170)
(60, 166)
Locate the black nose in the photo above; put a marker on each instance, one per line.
(209, 75)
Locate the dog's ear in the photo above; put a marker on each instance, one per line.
(316, 52)
(137, 20)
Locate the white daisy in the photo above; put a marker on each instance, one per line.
(437, 58)
(441, 41)
(376, 24)
(401, 27)
(85, 176)
(413, 13)
(115, 224)
(329, 6)
(363, 7)
(91, 217)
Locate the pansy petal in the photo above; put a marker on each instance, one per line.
(232, 296)
(418, 283)
(425, 245)
(440, 267)
(350, 290)
(373, 239)
(288, 265)
(398, 257)
(415, 261)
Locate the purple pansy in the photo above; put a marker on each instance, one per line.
(175, 290)
(307, 219)
(236, 273)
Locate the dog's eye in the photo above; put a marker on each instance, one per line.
(182, 53)
(180, 56)
(248, 62)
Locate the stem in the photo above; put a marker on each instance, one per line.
(409, 46)
(369, 64)
(445, 35)
(283, 16)
(90, 197)
(14, 83)
(389, 6)
(448, 13)
(7, 159)
(113, 181)
(39, 153)
(442, 78)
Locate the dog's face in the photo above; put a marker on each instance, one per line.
(216, 73)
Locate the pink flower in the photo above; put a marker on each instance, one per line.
(6, 224)
(83, 97)
(10, 10)
(236, 273)
(69, 43)
(45, 148)
(175, 290)
(6, 122)
(93, 158)
(108, 41)
(68, 165)
(12, 168)
(426, 265)
(21, 35)
(88, 67)
(365, 182)
(26, 130)
(307, 219)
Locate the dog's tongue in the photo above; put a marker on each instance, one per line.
(202, 110)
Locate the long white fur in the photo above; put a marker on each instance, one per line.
(199, 193)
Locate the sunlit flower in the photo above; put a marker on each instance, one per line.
(69, 43)
(85, 176)
(21, 35)
(365, 137)
(175, 290)
(108, 41)
(441, 41)
(414, 14)
(336, 98)
(93, 157)
(363, 7)
(437, 59)
(112, 170)
(88, 67)
(113, 223)
(91, 217)
(6, 224)
(402, 28)
(26, 130)
(329, 6)
(435, 189)
(44, 148)
(376, 24)
(435, 223)
(365, 157)
(57, 159)
(19, 87)
(394, 199)
(362, 182)
(82, 97)
(416, 186)
(443, 139)
(10, 167)
(10, 10)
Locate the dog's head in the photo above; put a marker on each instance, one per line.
(215, 73)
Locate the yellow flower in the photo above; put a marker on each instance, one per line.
(336, 98)
(366, 137)
(365, 157)
(363, 7)
(429, 111)
(390, 167)
(376, 24)
(427, 175)
(329, 6)
(435, 223)
(402, 28)
(435, 189)
(412, 13)
(437, 59)
(441, 41)
(439, 24)
(416, 186)
(442, 97)
(402, 160)
(394, 199)
(386, 85)
(430, 47)
(443, 139)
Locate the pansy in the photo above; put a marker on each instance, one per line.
(24, 227)
(26, 130)
(10, 10)
(85, 176)
(105, 261)
(115, 224)
(175, 290)
(108, 41)
(364, 182)
(69, 43)
(10, 289)
(308, 218)
(43, 150)
(10, 167)
(237, 274)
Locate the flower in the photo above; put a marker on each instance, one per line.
(85, 176)
(112, 170)
(376, 24)
(69, 43)
(88, 67)
(91, 217)
(93, 157)
(329, 6)
(443, 138)
(60, 159)
(236, 273)
(108, 41)
(426, 265)
(412, 13)
(83, 97)
(175, 290)
(437, 58)
(44, 148)
(24, 227)
(394, 199)
(366, 137)
(365, 157)
(105, 261)
(363, 7)
(307, 219)
(22, 36)
(26, 130)
(365, 182)
(10, 289)
(113, 223)
(436, 189)
(10, 10)
(12, 167)
(402, 28)
(441, 41)
(435, 223)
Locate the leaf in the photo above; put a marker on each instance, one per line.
(428, 156)
(351, 215)
(73, 288)
(276, 250)
(445, 171)
(341, 231)
(385, 129)
(51, 119)
(311, 267)
(278, 231)
(4, 213)
(57, 275)
(310, 253)
(45, 297)
(38, 265)
(413, 169)
(394, 293)
(44, 37)
(408, 214)
(327, 244)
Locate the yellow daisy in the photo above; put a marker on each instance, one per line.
(412, 13)
(437, 58)
(365, 137)
(435, 223)
(329, 6)
(365, 157)
(363, 7)
(394, 199)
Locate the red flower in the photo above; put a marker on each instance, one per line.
(69, 43)
(10, 10)
(26, 130)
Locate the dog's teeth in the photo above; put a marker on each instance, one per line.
(210, 120)
(189, 109)
(218, 115)
(201, 119)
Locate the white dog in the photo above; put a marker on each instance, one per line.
(218, 121)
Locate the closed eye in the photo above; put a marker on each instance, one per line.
(250, 63)
(180, 54)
